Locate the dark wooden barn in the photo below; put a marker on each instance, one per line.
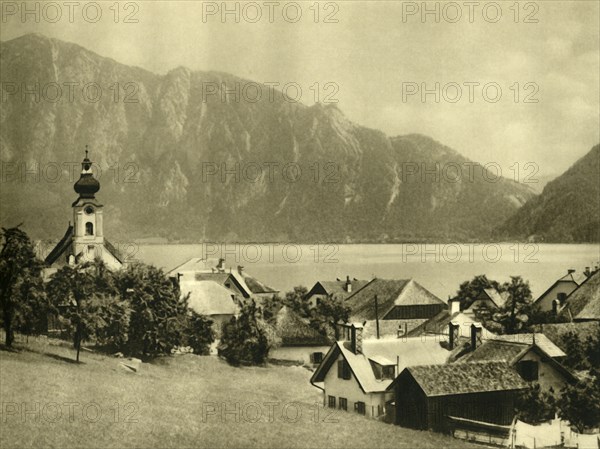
(428, 397)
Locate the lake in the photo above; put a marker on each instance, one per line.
(438, 267)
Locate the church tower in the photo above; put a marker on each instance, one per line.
(84, 240)
(88, 235)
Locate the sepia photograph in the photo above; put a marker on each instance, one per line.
(300, 224)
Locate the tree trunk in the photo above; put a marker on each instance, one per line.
(10, 337)
(78, 342)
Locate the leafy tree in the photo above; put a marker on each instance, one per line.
(21, 287)
(535, 406)
(158, 313)
(200, 333)
(112, 323)
(580, 403)
(72, 291)
(593, 349)
(514, 315)
(246, 339)
(270, 307)
(468, 291)
(328, 313)
(295, 300)
(576, 352)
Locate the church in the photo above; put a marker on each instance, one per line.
(84, 240)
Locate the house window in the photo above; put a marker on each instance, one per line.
(316, 357)
(331, 401)
(344, 404)
(343, 369)
(388, 372)
(528, 369)
(89, 228)
(359, 407)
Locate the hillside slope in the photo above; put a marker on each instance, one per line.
(568, 210)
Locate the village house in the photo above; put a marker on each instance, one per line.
(533, 356)
(554, 297)
(300, 343)
(387, 307)
(84, 240)
(333, 289)
(583, 304)
(355, 373)
(447, 398)
(212, 300)
(488, 301)
(238, 281)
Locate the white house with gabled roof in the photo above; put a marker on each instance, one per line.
(355, 373)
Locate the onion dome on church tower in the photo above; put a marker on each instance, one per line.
(86, 186)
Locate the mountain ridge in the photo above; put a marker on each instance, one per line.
(175, 136)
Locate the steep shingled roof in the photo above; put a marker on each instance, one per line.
(556, 331)
(209, 298)
(584, 302)
(496, 351)
(338, 288)
(390, 293)
(543, 342)
(463, 378)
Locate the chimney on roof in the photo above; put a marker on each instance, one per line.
(476, 335)
(348, 285)
(453, 305)
(453, 330)
(221, 265)
(570, 271)
(587, 272)
(342, 331)
(240, 269)
(356, 332)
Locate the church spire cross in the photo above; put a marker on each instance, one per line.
(86, 151)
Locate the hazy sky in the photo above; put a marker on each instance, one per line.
(371, 52)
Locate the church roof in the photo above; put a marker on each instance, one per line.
(61, 247)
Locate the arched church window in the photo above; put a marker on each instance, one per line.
(89, 228)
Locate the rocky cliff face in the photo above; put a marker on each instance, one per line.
(182, 159)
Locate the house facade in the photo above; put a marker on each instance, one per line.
(554, 297)
(583, 304)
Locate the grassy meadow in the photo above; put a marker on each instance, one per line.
(175, 402)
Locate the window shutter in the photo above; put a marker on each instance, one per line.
(340, 364)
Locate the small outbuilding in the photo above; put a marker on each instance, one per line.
(428, 397)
